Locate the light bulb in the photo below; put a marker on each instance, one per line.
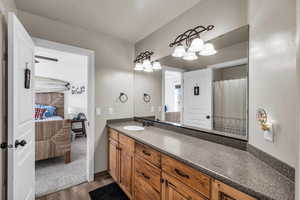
(147, 64)
(148, 69)
(197, 45)
(156, 65)
(190, 56)
(179, 51)
(139, 67)
(208, 50)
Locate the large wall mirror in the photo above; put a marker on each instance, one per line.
(209, 93)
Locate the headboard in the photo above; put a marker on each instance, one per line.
(52, 99)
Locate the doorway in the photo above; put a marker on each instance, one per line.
(21, 116)
(60, 119)
(82, 145)
(172, 95)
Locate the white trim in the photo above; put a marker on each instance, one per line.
(90, 93)
(233, 63)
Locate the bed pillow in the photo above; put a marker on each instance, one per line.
(39, 112)
(50, 111)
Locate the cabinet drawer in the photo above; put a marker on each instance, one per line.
(148, 153)
(126, 143)
(176, 189)
(147, 173)
(113, 134)
(187, 175)
(143, 191)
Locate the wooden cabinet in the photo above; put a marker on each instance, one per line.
(173, 189)
(146, 174)
(221, 191)
(121, 160)
(148, 154)
(147, 180)
(126, 154)
(191, 177)
(113, 162)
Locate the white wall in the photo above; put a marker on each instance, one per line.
(71, 68)
(149, 83)
(113, 71)
(272, 75)
(5, 7)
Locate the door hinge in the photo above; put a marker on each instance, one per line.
(4, 145)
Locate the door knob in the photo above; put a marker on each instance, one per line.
(207, 117)
(20, 143)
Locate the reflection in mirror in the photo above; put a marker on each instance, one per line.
(209, 93)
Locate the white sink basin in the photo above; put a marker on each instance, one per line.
(134, 128)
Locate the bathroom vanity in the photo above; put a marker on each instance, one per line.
(158, 164)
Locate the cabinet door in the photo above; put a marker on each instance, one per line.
(173, 189)
(113, 166)
(172, 194)
(221, 191)
(126, 170)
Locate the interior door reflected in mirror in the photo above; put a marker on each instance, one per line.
(209, 93)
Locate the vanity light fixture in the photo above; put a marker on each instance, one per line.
(156, 65)
(143, 62)
(179, 51)
(139, 67)
(190, 55)
(208, 50)
(194, 44)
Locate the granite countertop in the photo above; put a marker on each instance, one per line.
(234, 167)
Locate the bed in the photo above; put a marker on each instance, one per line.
(52, 134)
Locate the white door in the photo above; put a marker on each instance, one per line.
(197, 110)
(21, 155)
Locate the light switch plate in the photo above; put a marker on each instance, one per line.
(152, 109)
(98, 111)
(110, 110)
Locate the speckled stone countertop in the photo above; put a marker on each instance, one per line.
(234, 167)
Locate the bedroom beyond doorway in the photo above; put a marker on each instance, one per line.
(61, 110)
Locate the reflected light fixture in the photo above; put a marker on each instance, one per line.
(179, 51)
(190, 56)
(197, 45)
(193, 44)
(143, 62)
(156, 65)
(208, 50)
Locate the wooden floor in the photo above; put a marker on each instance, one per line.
(80, 192)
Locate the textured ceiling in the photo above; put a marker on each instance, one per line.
(131, 20)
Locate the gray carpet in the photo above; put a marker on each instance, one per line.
(53, 175)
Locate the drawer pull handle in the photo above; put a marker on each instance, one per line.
(171, 184)
(143, 174)
(146, 153)
(180, 173)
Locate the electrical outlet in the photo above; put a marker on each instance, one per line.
(269, 135)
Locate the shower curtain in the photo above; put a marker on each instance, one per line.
(230, 106)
